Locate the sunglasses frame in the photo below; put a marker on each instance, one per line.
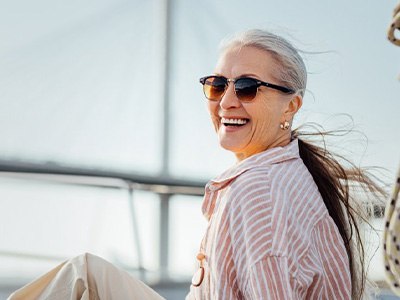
(234, 80)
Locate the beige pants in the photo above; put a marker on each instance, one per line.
(86, 277)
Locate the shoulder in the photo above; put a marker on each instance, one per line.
(291, 203)
(294, 190)
(285, 188)
(285, 184)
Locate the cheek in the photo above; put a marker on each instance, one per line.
(273, 110)
(263, 114)
(212, 108)
(263, 127)
(265, 121)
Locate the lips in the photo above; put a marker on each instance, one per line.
(234, 121)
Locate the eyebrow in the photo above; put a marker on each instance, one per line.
(242, 75)
(249, 75)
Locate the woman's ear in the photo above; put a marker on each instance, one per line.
(293, 106)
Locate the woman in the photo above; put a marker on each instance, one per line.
(280, 222)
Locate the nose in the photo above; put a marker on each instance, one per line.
(230, 100)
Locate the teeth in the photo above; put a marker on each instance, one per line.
(234, 121)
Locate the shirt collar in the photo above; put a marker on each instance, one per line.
(262, 159)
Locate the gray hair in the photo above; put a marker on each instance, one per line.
(292, 72)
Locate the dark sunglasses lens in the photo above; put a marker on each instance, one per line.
(246, 89)
(214, 88)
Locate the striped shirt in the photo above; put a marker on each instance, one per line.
(269, 234)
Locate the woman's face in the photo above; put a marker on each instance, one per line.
(262, 116)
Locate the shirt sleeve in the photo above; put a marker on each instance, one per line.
(329, 254)
(321, 274)
(269, 279)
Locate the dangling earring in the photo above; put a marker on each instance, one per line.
(285, 126)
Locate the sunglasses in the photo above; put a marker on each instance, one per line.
(214, 87)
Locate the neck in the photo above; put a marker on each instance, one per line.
(281, 141)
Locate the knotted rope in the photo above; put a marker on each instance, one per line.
(395, 25)
(391, 238)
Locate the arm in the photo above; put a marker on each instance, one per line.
(270, 279)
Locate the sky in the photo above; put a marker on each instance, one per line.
(81, 83)
(85, 86)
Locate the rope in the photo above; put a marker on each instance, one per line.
(395, 25)
(391, 238)
(391, 233)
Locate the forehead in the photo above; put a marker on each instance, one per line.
(238, 61)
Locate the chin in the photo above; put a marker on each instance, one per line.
(230, 147)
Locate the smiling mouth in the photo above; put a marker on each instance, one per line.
(234, 121)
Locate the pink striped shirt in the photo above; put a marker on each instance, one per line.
(269, 234)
